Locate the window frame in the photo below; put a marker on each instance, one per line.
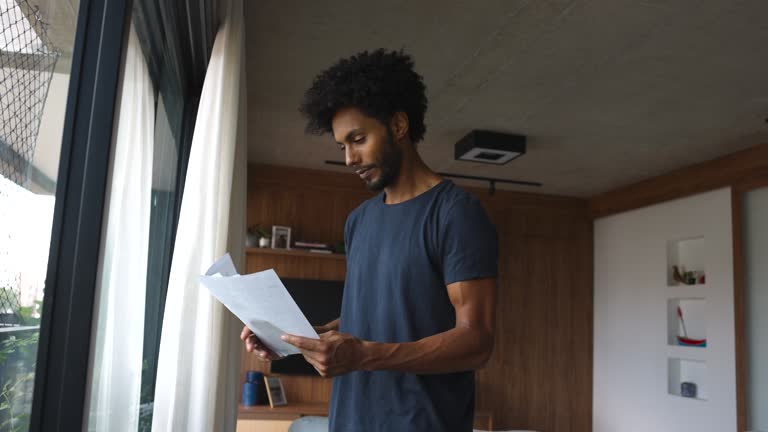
(61, 376)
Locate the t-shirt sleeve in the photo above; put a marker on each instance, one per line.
(469, 244)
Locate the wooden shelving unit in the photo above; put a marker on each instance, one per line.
(287, 412)
(294, 252)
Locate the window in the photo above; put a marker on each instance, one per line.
(34, 81)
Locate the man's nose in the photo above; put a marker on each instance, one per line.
(352, 158)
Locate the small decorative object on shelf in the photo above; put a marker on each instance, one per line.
(688, 389)
(281, 237)
(256, 236)
(320, 251)
(311, 246)
(275, 391)
(251, 388)
(684, 340)
(687, 277)
(677, 276)
(316, 247)
(302, 244)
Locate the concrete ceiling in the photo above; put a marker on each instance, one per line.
(609, 92)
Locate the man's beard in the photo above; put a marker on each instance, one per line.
(388, 163)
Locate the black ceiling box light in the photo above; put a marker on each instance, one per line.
(490, 147)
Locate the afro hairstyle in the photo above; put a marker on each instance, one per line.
(378, 83)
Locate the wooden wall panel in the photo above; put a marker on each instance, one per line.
(298, 267)
(736, 168)
(540, 375)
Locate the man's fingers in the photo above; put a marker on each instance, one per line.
(303, 343)
(321, 368)
(254, 345)
(248, 339)
(262, 350)
(265, 353)
(245, 333)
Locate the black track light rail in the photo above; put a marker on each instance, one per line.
(491, 181)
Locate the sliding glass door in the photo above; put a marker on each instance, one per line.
(97, 106)
(36, 56)
(755, 246)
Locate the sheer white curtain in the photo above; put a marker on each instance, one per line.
(199, 346)
(119, 332)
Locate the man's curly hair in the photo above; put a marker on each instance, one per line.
(379, 83)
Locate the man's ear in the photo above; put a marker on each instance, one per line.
(399, 125)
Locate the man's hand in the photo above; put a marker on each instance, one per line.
(333, 325)
(333, 354)
(254, 345)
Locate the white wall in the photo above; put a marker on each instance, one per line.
(756, 248)
(631, 319)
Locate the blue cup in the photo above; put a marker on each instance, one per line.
(249, 394)
(254, 376)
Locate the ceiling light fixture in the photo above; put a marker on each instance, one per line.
(489, 147)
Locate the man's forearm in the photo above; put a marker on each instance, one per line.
(458, 349)
(468, 346)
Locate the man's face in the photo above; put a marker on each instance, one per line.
(369, 147)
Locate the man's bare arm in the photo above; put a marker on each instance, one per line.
(465, 347)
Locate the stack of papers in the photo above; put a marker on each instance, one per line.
(261, 302)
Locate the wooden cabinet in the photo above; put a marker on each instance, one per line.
(262, 418)
(263, 425)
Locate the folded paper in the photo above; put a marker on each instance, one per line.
(261, 302)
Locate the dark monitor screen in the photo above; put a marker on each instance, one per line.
(320, 301)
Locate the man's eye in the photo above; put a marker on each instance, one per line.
(341, 147)
(359, 140)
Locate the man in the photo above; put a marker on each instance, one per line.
(419, 301)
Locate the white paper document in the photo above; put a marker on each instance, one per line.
(261, 302)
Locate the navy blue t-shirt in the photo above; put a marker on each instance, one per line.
(400, 258)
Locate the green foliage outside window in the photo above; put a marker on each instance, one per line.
(18, 355)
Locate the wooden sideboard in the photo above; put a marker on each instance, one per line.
(262, 418)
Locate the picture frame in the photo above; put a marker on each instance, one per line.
(281, 237)
(275, 391)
